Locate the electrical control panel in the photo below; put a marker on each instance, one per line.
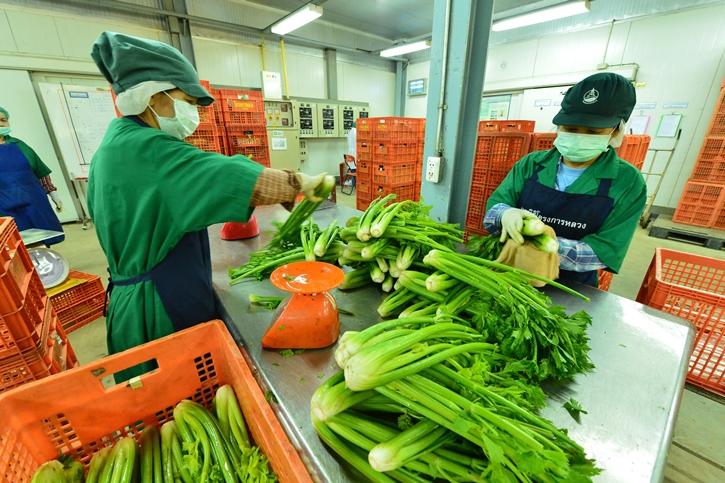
(328, 120)
(279, 114)
(360, 111)
(347, 119)
(303, 150)
(306, 115)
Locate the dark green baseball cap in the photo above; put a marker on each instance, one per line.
(126, 61)
(600, 100)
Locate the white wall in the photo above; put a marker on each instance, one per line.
(680, 57)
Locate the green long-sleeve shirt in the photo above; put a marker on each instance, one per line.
(146, 190)
(628, 190)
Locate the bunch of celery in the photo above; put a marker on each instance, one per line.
(312, 242)
(288, 233)
(197, 446)
(465, 413)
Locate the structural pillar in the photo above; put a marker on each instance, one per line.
(463, 63)
(331, 71)
(400, 89)
(179, 30)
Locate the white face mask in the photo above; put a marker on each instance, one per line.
(580, 148)
(184, 123)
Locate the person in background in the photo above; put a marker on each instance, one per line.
(25, 185)
(152, 195)
(590, 197)
(352, 149)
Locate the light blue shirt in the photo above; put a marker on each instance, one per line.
(565, 176)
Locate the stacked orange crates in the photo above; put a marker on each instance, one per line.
(389, 158)
(79, 305)
(500, 144)
(703, 199)
(33, 344)
(245, 124)
(207, 136)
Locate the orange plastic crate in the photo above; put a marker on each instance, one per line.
(362, 169)
(246, 136)
(516, 125)
(16, 267)
(365, 157)
(692, 287)
(81, 304)
(542, 141)
(717, 125)
(396, 128)
(364, 129)
(33, 365)
(487, 126)
(401, 192)
(699, 204)
(363, 188)
(634, 149)
(207, 114)
(710, 165)
(496, 154)
(605, 280)
(363, 147)
(256, 153)
(362, 203)
(238, 94)
(477, 198)
(206, 138)
(394, 152)
(394, 174)
(81, 420)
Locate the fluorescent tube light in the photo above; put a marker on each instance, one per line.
(545, 15)
(301, 17)
(406, 49)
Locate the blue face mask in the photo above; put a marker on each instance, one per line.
(4, 131)
(580, 148)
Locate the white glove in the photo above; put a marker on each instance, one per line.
(512, 222)
(56, 199)
(308, 185)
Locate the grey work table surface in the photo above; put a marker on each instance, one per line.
(632, 397)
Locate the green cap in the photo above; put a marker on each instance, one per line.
(600, 100)
(127, 61)
(4, 111)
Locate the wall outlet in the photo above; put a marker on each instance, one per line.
(433, 169)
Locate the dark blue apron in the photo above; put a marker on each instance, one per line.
(572, 216)
(183, 279)
(22, 196)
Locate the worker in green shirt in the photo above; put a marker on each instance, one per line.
(25, 185)
(152, 195)
(580, 188)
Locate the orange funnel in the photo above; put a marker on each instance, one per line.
(307, 319)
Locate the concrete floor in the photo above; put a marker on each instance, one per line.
(697, 454)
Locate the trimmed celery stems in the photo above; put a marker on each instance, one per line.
(325, 239)
(363, 232)
(395, 302)
(356, 278)
(288, 231)
(532, 227)
(388, 283)
(333, 397)
(385, 217)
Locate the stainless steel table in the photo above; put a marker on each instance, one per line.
(632, 397)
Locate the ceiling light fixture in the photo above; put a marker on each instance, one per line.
(406, 49)
(297, 19)
(545, 15)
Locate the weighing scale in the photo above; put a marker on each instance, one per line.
(52, 267)
(308, 318)
(233, 230)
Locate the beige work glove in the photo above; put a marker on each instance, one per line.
(56, 199)
(512, 221)
(308, 185)
(530, 259)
